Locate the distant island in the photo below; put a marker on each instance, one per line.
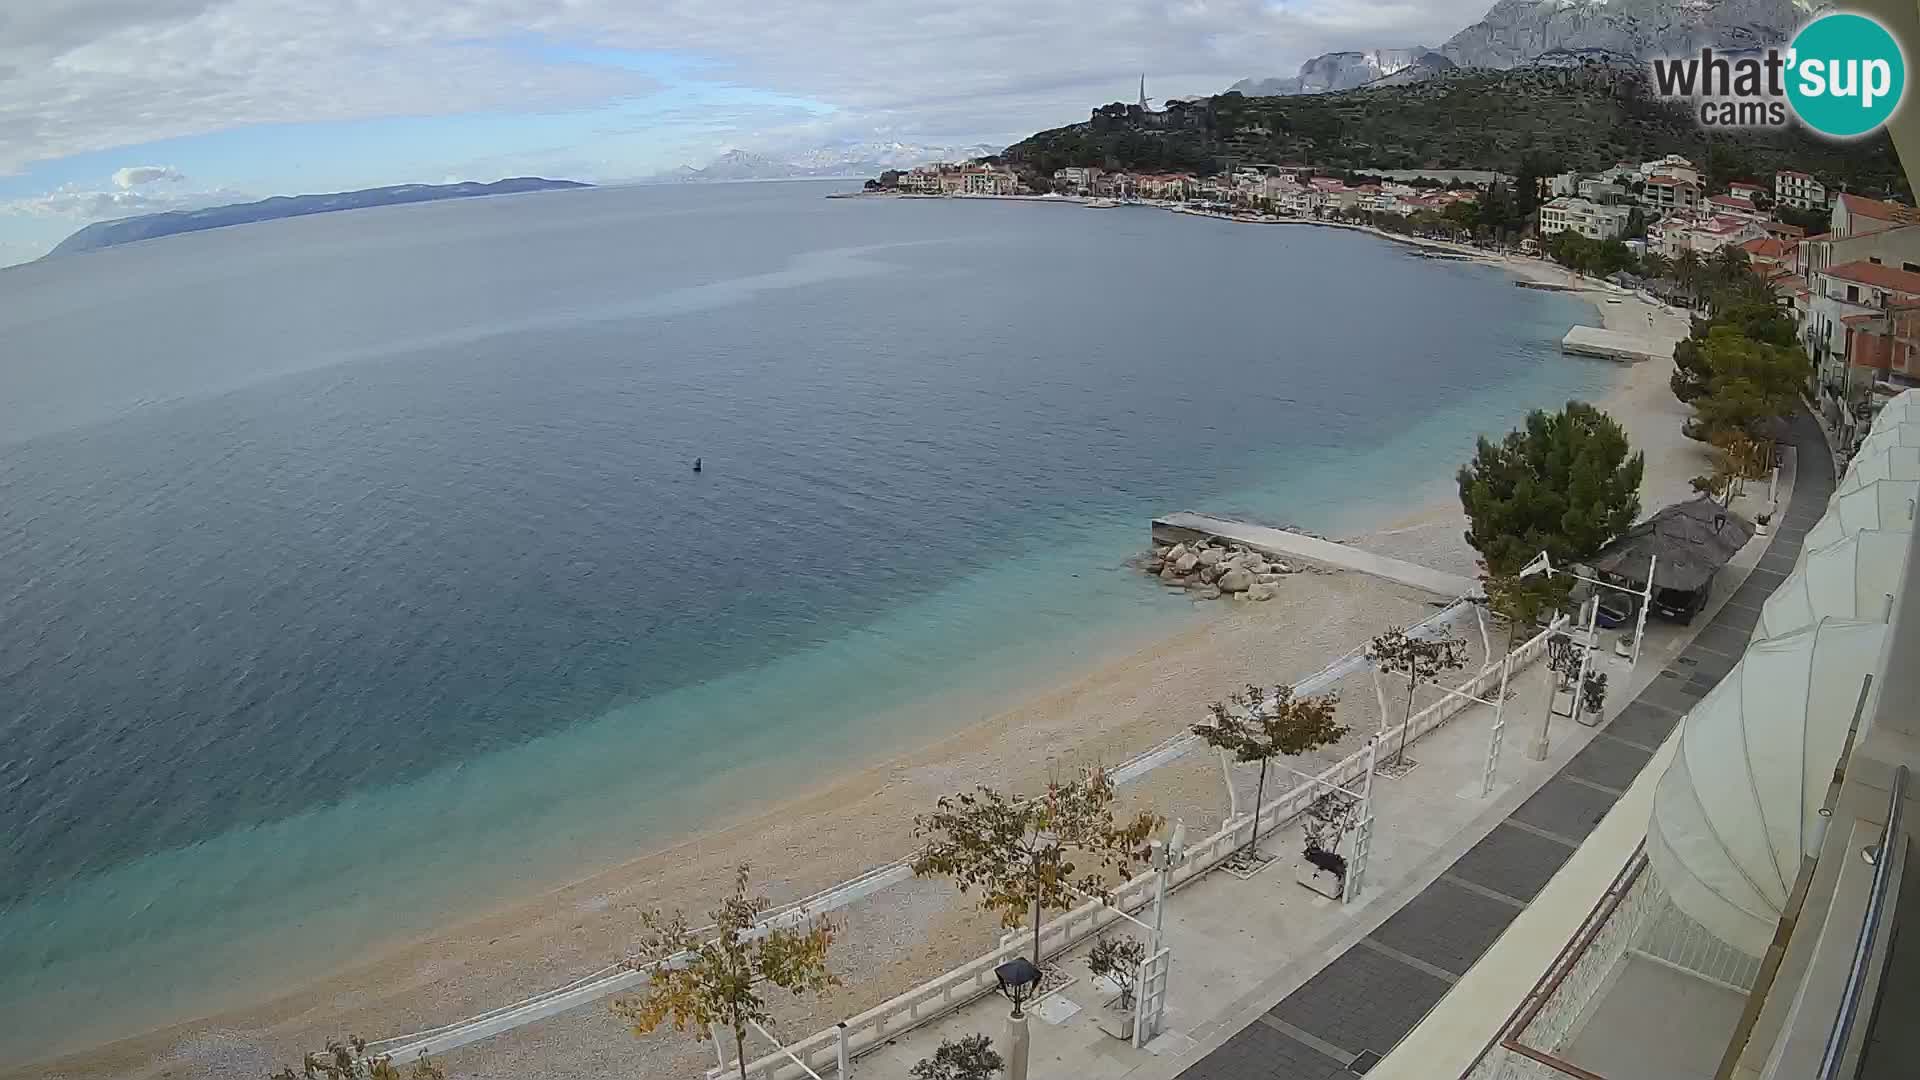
(105, 234)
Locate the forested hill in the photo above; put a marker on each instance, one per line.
(1583, 118)
(148, 226)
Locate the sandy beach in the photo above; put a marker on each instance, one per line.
(1110, 708)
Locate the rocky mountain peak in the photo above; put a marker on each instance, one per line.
(1519, 32)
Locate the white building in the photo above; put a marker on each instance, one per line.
(1077, 177)
(1703, 234)
(1799, 190)
(1669, 194)
(1594, 189)
(1733, 204)
(1672, 165)
(1583, 216)
(988, 182)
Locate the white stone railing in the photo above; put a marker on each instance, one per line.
(974, 979)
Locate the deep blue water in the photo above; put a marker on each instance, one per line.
(352, 570)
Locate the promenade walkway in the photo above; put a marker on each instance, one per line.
(1271, 982)
(1351, 1013)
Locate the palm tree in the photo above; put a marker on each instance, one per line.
(1730, 264)
(1686, 271)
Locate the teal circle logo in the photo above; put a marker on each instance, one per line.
(1845, 75)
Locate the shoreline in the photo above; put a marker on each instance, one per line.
(796, 845)
(528, 944)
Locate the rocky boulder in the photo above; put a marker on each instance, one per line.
(1236, 580)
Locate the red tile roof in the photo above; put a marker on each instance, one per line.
(1878, 210)
(1880, 277)
(1764, 247)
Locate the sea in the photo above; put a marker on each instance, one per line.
(355, 574)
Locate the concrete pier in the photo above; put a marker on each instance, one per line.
(1296, 547)
(1613, 345)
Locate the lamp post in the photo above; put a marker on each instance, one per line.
(1018, 980)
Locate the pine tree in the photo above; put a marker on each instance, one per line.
(1565, 483)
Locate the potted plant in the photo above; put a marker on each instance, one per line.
(1593, 694)
(970, 1057)
(1116, 960)
(1325, 825)
(1761, 523)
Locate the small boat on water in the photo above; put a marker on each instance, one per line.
(1101, 204)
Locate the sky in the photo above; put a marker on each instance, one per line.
(110, 108)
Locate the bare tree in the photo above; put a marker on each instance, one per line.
(1118, 959)
(1417, 660)
(1019, 852)
(1259, 725)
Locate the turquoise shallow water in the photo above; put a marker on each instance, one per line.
(357, 577)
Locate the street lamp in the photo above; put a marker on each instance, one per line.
(1541, 564)
(1019, 979)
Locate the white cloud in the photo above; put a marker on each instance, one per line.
(82, 204)
(135, 175)
(96, 74)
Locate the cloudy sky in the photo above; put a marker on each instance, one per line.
(117, 107)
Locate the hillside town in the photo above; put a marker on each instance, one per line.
(1847, 266)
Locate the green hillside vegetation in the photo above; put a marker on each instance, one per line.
(1582, 118)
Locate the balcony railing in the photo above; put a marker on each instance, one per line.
(1868, 962)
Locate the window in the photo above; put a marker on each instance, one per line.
(1874, 259)
(1853, 293)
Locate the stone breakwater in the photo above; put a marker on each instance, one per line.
(1211, 569)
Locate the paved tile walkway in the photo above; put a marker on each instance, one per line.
(1360, 1005)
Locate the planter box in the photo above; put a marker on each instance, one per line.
(1325, 882)
(1117, 1021)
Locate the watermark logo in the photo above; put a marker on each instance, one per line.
(1843, 75)
(1848, 75)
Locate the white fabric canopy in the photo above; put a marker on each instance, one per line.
(1881, 436)
(1852, 578)
(1890, 463)
(1900, 408)
(1881, 504)
(1739, 805)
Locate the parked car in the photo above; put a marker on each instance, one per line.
(1612, 614)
